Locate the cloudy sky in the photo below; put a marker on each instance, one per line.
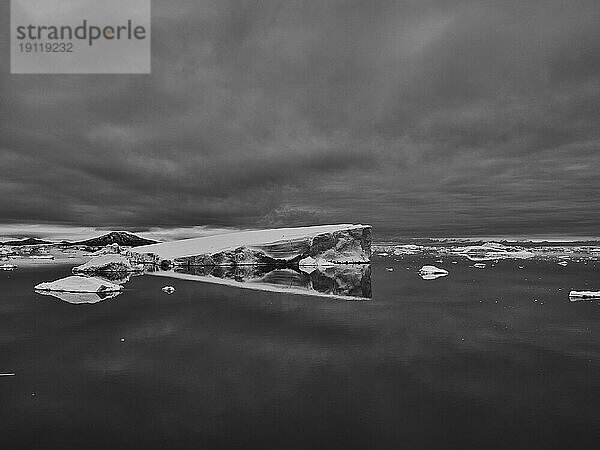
(420, 117)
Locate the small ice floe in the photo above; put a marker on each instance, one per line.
(308, 264)
(563, 263)
(79, 284)
(168, 289)
(584, 295)
(479, 265)
(308, 261)
(8, 267)
(383, 254)
(432, 272)
(389, 269)
(454, 262)
(8, 374)
(521, 267)
(41, 257)
(77, 290)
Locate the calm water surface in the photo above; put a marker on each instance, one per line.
(471, 360)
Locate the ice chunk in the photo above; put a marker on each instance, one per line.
(432, 269)
(168, 289)
(408, 249)
(584, 295)
(107, 263)
(8, 267)
(79, 284)
(308, 265)
(479, 265)
(563, 263)
(432, 272)
(308, 262)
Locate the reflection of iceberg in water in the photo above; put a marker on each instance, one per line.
(80, 297)
(352, 281)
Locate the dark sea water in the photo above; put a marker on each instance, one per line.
(470, 360)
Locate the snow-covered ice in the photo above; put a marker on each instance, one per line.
(584, 295)
(107, 263)
(432, 272)
(79, 284)
(345, 243)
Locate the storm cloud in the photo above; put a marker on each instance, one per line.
(420, 117)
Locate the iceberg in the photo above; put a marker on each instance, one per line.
(432, 272)
(408, 249)
(326, 244)
(492, 251)
(108, 263)
(584, 295)
(79, 284)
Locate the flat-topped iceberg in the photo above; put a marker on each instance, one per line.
(341, 244)
(492, 251)
(79, 284)
(108, 263)
(584, 295)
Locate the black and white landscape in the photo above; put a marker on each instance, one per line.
(315, 224)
